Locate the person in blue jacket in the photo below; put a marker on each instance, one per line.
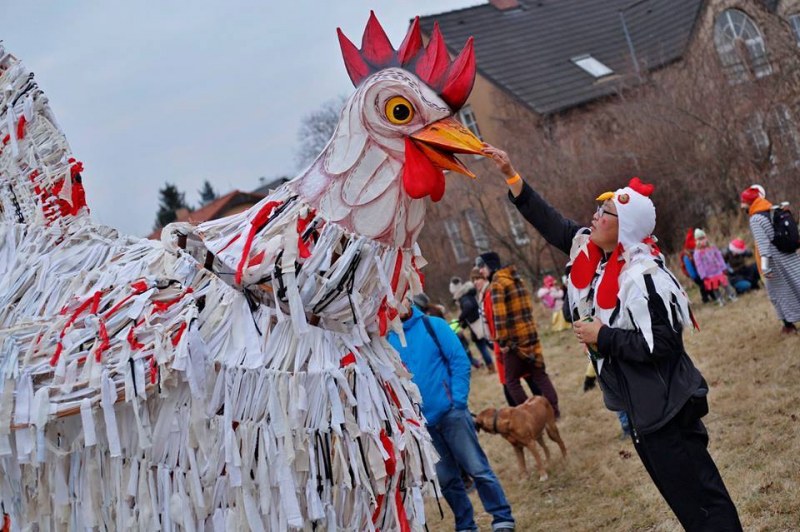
(441, 371)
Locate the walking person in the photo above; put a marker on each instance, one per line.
(630, 311)
(466, 296)
(440, 370)
(780, 269)
(487, 319)
(515, 330)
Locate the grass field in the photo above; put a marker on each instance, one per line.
(754, 424)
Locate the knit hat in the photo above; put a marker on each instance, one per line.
(421, 300)
(737, 246)
(699, 233)
(689, 242)
(752, 193)
(455, 284)
(490, 259)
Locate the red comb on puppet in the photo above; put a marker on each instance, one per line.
(452, 80)
(645, 189)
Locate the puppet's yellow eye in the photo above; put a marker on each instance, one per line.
(399, 110)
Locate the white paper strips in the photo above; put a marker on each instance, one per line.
(140, 390)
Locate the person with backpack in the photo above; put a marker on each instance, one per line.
(435, 358)
(776, 236)
(465, 294)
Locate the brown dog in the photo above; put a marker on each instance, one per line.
(522, 426)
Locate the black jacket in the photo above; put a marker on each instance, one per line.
(651, 387)
(468, 303)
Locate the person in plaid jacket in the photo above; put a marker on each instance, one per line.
(515, 330)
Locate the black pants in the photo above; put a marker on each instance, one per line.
(677, 459)
(518, 368)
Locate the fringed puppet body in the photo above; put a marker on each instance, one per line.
(253, 389)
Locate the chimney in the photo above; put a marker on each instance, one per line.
(504, 5)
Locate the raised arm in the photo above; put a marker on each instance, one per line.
(557, 230)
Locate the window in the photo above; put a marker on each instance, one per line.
(788, 133)
(479, 236)
(794, 21)
(740, 46)
(758, 135)
(454, 235)
(592, 66)
(467, 117)
(516, 223)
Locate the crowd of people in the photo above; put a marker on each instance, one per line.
(627, 310)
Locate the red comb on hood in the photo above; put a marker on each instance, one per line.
(645, 189)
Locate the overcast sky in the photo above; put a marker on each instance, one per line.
(183, 91)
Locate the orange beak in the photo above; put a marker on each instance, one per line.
(440, 140)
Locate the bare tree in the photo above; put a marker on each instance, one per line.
(316, 129)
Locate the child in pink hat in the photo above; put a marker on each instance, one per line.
(711, 267)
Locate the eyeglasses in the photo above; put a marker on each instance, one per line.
(601, 211)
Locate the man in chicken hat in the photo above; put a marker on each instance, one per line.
(630, 311)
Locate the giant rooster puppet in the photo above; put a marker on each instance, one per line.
(141, 388)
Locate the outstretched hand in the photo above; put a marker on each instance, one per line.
(500, 158)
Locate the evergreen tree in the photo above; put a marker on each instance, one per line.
(170, 200)
(207, 193)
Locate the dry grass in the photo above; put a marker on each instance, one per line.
(754, 422)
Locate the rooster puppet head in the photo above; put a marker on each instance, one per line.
(396, 134)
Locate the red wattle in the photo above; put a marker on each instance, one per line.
(584, 266)
(608, 288)
(420, 177)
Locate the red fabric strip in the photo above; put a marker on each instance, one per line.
(104, 342)
(177, 338)
(378, 505)
(401, 512)
(391, 462)
(132, 339)
(257, 223)
(21, 127)
(346, 360)
(54, 358)
(153, 370)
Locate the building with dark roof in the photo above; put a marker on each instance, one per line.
(555, 85)
(539, 51)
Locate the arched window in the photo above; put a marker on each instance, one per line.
(794, 21)
(740, 46)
